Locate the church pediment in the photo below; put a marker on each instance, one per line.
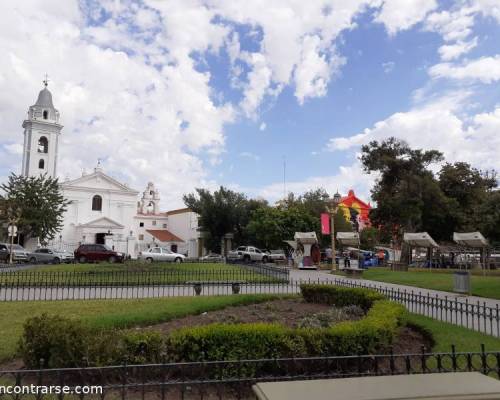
(103, 222)
(98, 181)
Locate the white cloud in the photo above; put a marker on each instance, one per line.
(249, 155)
(438, 125)
(262, 126)
(450, 52)
(489, 8)
(397, 16)
(484, 69)
(388, 66)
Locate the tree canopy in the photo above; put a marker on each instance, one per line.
(38, 202)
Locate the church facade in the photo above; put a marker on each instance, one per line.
(102, 209)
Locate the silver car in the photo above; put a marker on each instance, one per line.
(161, 254)
(19, 253)
(51, 256)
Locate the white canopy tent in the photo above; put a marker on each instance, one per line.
(420, 239)
(470, 239)
(348, 238)
(475, 241)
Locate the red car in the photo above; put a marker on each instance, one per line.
(97, 252)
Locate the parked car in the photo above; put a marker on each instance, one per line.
(97, 252)
(277, 255)
(247, 254)
(50, 256)
(19, 253)
(212, 257)
(160, 254)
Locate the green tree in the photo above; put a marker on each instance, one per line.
(469, 189)
(221, 212)
(408, 196)
(369, 238)
(39, 203)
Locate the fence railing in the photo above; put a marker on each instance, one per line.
(233, 379)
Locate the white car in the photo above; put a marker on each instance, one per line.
(160, 254)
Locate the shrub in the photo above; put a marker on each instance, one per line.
(51, 341)
(339, 296)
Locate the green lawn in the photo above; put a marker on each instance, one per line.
(483, 286)
(110, 313)
(132, 273)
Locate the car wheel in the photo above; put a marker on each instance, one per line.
(56, 261)
(112, 259)
(32, 260)
(264, 259)
(178, 260)
(149, 260)
(82, 259)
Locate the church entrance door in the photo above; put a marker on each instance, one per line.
(100, 238)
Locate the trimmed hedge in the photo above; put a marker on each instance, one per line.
(63, 342)
(339, 296)
(51, 341)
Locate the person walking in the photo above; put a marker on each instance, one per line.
(347, 261)
(329, 255)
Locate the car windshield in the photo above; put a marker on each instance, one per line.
(277, 252)
(107, 247)
(17, 247)
(164, 250)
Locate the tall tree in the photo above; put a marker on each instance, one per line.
(221, 212)
(39, 203)
(408, 196)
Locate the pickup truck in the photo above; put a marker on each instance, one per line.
(247, 254)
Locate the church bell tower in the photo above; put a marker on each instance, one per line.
(41, 136)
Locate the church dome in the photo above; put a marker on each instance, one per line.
(44, 99)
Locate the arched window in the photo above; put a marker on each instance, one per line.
(45, 114)
(97, 203)
(41, 164)
(43, 145)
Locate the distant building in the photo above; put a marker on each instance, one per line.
(103, 210)
(356, 211)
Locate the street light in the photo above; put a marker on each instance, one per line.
(332, 207)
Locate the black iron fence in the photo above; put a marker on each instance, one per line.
(233, 379)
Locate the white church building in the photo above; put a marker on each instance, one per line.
(103, 210)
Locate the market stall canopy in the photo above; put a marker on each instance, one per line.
(419, 239)
(470, 239)
(305, 237)
(348, 238)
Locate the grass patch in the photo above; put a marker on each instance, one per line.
(111, 313)
(445, 334)
(482, 286)
(132, 274)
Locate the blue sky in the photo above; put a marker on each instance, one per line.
(206, 93)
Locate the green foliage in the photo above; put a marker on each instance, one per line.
(52, 341)
(221, 212)
(369, 238)
(339, 296)
(39, 202)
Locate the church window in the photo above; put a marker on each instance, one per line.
(154, 223)
(43, 145)
(45, 114)
(41, 164)
(141, 237)
(97, 203)
(141, 224)
(151, 192)
(165, 226)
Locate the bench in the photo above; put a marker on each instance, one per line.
(198, 285)
(353, 272)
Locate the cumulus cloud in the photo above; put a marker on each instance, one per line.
(484, 69)
(438, 125)
(396, 16)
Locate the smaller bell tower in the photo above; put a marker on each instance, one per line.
(150, 201)
(41, 136)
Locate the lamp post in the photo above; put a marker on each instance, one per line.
(332, 208)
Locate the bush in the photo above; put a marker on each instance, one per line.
(53, 342)
(218, 342)
(339, 296)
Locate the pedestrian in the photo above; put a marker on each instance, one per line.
(329, 257)
(347, 261)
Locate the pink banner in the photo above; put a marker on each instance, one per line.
(325, 224)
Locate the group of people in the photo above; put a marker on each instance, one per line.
(346, 256)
